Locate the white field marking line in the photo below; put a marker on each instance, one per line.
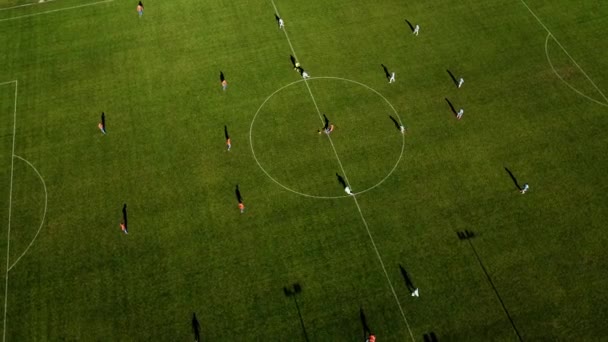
(563, 48)
(43, 215)
(314, 196)
(354, 196)
(363, 218)
(562, 79)
(25, 5)
(55, 10)
(10, 205)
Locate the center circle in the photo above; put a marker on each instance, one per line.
(276, 123)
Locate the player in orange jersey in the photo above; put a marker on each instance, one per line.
(102, 124)
(227, 136)
(140, 9)
(223, 81)
(239, 198)
(123, 227)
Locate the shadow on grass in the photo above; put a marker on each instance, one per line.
(513, 179)
(430, 337)
(366, 330)
(124, 215)
(468, 237)
(237, 192)
(341, 180)
(453, 78)
(386, 72)
(196, 328)
(406, 278)
(397, 125)
(292, 292)
(451, 106)
(410, 25)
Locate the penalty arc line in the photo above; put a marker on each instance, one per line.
(10, 205)
(56, 10)
(562, 79)
(354, 197)
(564, 49)
(43, 214)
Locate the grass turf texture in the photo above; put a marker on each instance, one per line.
(189, 250)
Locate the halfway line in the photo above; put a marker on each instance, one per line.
(354, 197)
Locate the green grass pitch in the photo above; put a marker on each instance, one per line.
(535, 102)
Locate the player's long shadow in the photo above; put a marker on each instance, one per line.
(513, 178)
(226, 132)
(237, 192)
(395, 122)
(124, 214)
(430, 337)
(451, 106)
(453, 78)
(341, 180)
(366, 330)
(293, 61)
(292, 293)
(408, 282)
(196, 328)
(222, 76)
(386, 72)
(410, 25)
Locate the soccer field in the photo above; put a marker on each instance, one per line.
(305, 261)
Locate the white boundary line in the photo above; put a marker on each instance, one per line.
(562, 79)
(55, 10)
(10, 205)
(43, 215)
(565, 51)
(354, 196)
(26, 5)
(314, 196)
